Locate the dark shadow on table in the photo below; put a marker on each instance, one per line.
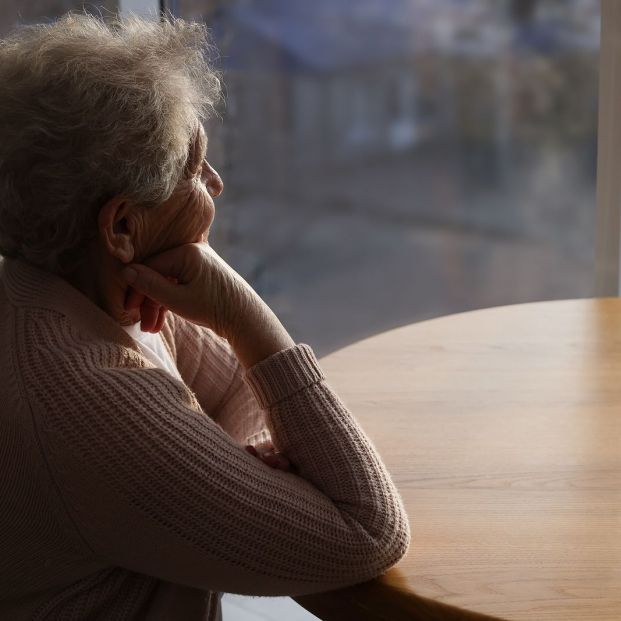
(378, 600)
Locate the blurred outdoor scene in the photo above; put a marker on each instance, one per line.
(390, 161)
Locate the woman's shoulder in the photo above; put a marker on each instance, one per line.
(50, 314)
(48, 338)
(56, 356)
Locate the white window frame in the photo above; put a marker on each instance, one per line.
(144, 8)
(608, 217)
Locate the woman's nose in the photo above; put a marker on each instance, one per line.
(212, 180)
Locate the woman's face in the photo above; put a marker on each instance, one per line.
(187, 215)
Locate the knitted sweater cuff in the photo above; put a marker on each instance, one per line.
(283, 374)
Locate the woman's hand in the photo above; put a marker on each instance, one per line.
(209, 292)
(271, 457)
(152, 313)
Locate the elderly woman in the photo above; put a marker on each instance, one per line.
(136, 365)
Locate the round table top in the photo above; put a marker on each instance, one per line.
(502, 431)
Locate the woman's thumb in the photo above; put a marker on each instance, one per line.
(148, 282)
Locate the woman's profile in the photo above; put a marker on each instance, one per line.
(162, 437)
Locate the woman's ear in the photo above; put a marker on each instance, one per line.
(115, 230)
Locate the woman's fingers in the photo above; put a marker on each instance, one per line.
(160, 320)
(152, 313)
(273, 460)
(149, 314)
(158, 276)
(134, 299)
(252, 450)
(277, 461)
(151, 284)
(272, 457)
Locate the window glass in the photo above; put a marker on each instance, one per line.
(14, 12)
(389, 161)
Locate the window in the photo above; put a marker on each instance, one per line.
(13, 12)
(433, 156)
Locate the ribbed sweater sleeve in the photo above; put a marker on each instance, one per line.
(210, 368)
(153, 485)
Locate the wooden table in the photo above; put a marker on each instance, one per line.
(502, 430)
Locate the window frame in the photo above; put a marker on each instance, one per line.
(145, 8)
(608, 216)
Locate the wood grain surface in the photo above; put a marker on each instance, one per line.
(502, 430)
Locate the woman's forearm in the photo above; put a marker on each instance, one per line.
(258, 334)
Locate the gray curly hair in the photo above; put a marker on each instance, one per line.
(89, 110)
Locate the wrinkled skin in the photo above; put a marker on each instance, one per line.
(184, 218)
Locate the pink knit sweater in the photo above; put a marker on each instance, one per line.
(127, 494)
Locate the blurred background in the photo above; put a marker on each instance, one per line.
(390, 161)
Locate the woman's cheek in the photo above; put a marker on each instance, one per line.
(205, 213)
(188, 220)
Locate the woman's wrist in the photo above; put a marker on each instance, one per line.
(258, 335)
